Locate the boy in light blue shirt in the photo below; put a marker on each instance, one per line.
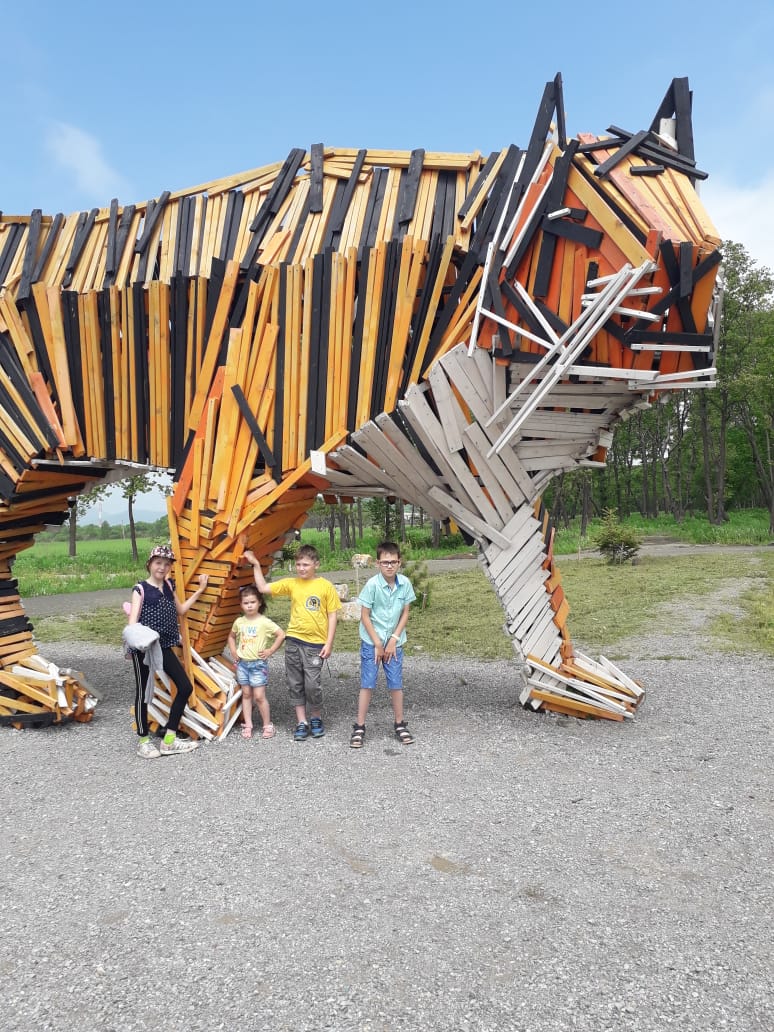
(385, 601)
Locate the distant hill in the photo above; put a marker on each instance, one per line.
(114, 508)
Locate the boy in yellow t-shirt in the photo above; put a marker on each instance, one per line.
(253, 638)
(314, 603)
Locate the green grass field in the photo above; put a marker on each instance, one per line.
(608, 603)
(47, 569)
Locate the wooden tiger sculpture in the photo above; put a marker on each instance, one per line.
(448, 329)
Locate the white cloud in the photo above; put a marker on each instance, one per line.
(80, 154)
(744, 214)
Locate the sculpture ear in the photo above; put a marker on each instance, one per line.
(675, 108)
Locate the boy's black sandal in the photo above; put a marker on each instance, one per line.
(357, 737)
(403, 734)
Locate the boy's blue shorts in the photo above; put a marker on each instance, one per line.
(393, 670)
(252, 672)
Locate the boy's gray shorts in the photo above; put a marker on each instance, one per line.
(303, 671)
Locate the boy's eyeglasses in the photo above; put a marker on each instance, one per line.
(389, 562)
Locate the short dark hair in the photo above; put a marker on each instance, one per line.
(251, 589)
(308, 552)
(390, 547)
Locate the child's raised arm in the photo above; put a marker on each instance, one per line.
(260, 582)
(183, 607)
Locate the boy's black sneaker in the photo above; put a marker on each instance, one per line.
(317, 728)
(301, 732)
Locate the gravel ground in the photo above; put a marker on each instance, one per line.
(509, 871)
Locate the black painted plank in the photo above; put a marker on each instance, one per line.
(7, 485)
(234, 208)
(570, 230)
(664, 155)
(252, 422)
(357, 339)
(540, 130)
(647, 170)
(111, 254)
(178, 342)
(407, 192)
(84, 227)
(552, 201)
(315, 368)
(677, 102)
(668, 337)
(498, 198)
(30, 254)
(686, 268)
(495, 300)
(12, 368)
(447, 182)
(30, 309)
(142, 378)
(182, 234)
(326, 266)
(422, 310)
(153, 213)
(604, 144)
(526, 316)
(13, 237)
(620, 153)
(213, 287)
(106, 349)
(472, 197)
(448, 308)
(558, 325)
(672, 296)
(18, 418)
(402, 424)
(272, 203)
(683, 105)
(679, 284)
(316, 179)
(253, 274)
(561, 123)
(122, 234)
(15, 625)
(386, 323)
(342, 202)
(373, 209)
(72, 335)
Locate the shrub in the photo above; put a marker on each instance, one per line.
(616, 542)
(420, 580)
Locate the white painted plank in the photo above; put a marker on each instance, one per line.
(468, 519)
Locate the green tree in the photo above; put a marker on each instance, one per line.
(744, 365)
(140, 483)
(748, 360)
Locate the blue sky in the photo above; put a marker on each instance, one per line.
(104, 100)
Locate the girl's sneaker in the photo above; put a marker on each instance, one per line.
(147, 751)
(177, 746)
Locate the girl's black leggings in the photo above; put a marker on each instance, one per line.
(176, 673)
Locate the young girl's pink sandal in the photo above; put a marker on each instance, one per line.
(247, 731)
(268, 731)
